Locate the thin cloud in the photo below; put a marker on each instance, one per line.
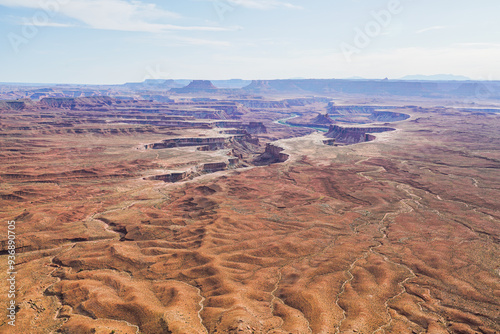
(199, 41)
(263, 4)
(52, 24)
(118, 15)
(479, 45)
(27, 21)
(430, 29)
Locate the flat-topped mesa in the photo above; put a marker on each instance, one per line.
(201, 85)
(350, 136)
(208, 144)
(213, 143)
(196, 86)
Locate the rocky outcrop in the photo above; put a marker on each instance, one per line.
(348, 135)
(239, 142)
(98, 103)
(273, 154)
(388, 116)
(233, 162)
(196, 86)
(255, 128)
(276, 153)
(322, 119)
(258, 85)
(234, 132)
(349, 110)
(12, 105)
(196, 171)
(212, 143)
(309, 120)
(170, 178)
(214, 167)
(205, 148)
(363, 114)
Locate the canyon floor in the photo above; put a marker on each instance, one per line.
(399, 234)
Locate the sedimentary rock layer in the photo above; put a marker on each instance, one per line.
(353, 135)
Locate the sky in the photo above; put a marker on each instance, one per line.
(118, 41)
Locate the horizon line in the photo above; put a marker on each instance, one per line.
(214, 80)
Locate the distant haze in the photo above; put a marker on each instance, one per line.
(437, 77)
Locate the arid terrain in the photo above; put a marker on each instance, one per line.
(201, 210)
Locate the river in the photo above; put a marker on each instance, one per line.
(283, 121)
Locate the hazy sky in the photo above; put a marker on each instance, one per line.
(117, 41)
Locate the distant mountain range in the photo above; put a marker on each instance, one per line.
(420, 88)
(436, 77)
(179, 83)
(435, 86)
(420, 77)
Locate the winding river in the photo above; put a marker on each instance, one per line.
(283, 121)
